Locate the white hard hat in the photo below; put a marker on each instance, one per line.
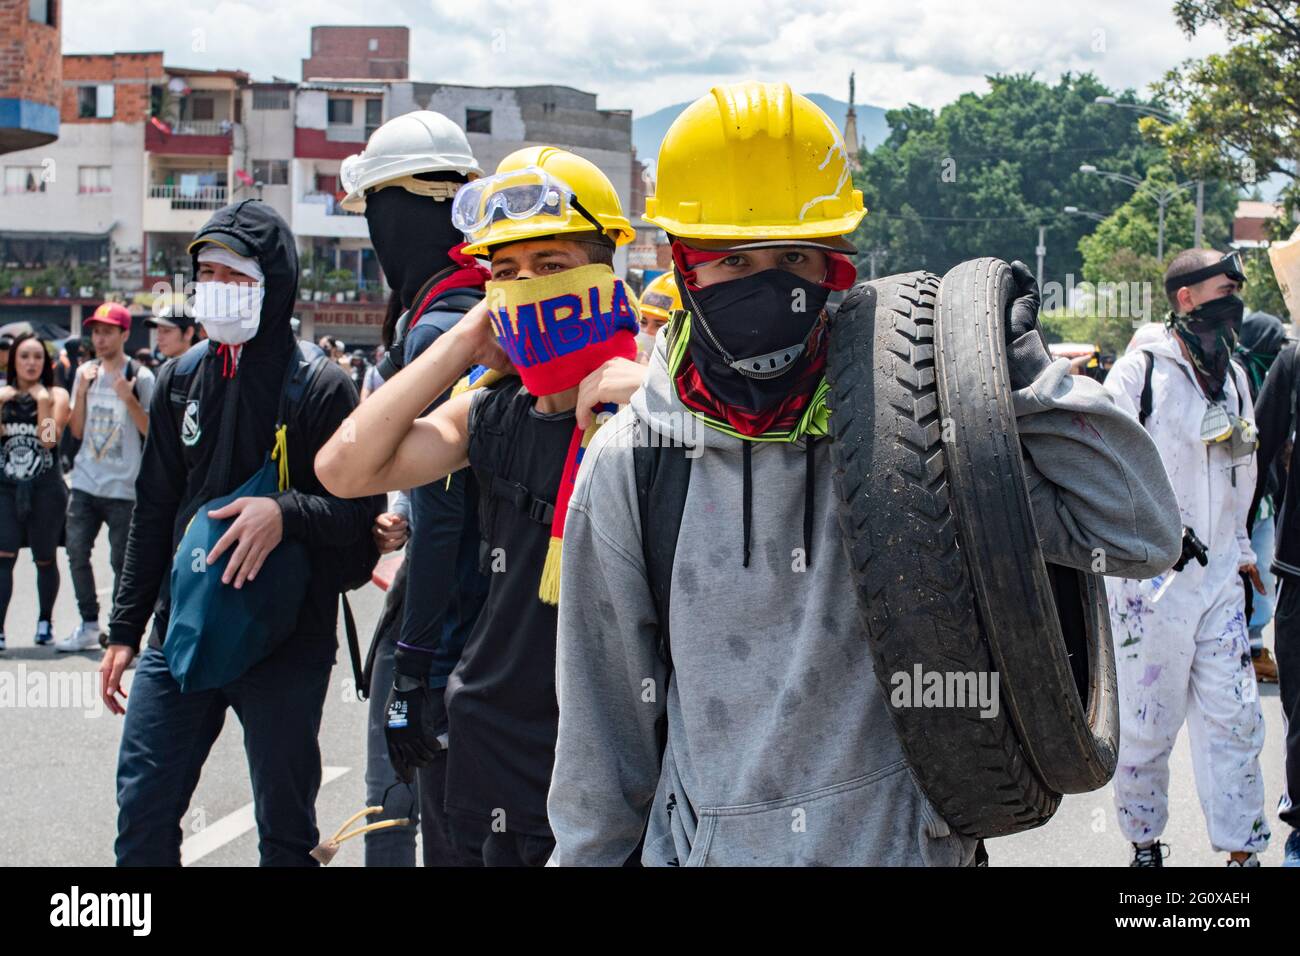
(419, 142)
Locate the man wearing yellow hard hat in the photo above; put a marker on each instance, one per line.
(756, 732)
(554, 314)
(659, 300)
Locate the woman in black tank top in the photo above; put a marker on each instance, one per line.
(33, 495)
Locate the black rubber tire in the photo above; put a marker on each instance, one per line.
(912, 586)
(1039, 620)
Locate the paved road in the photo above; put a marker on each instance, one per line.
(57, 761)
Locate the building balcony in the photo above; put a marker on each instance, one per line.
(319, 214)
(190, 138)
(180, 208)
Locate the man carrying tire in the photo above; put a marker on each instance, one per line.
(1181, 643)
(757, 733)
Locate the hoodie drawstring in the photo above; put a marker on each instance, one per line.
(809, 497)
(229, 359)
(810, 475)
(746, 507)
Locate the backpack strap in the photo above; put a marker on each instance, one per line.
(1144, 403)
(663, 476)
(500, 412)
(183, 374)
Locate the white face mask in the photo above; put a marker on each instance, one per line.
(230, 312)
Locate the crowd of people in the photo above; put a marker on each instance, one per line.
(527, 704)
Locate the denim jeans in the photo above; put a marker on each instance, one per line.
(1261, 541)
(168, 734)
(86, 514)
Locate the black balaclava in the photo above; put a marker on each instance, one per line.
(766, 317)
(411, 235)
(1210, 333)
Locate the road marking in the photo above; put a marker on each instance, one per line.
(234, 825)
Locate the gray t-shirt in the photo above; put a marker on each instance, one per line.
(111, 445)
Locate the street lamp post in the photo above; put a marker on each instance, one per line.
(1163, 197)
(1168, 118)
(1076, 211)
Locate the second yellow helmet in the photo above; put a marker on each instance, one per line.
(539, 191)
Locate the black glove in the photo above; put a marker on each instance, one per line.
(411, 721)
(1023, 314)
(1027, 359)
(1193, 548)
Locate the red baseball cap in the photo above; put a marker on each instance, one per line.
(112, 313)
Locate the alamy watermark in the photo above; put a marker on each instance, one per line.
(955, 689)
(51, 690)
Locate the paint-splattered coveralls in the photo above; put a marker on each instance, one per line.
(1188, 655)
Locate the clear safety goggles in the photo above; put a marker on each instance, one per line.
(519, 194)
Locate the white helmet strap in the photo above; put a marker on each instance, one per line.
(436, 189)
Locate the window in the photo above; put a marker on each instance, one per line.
(271, 172)
(270, 99)
(24, 179)
(94, 179)
(374, 44)
(202, 108)
(478, 121)
(42, 11)
(374, 116)
(95, 102)
(340, 112)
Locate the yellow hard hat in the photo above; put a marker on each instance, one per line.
(539, 191)
(754, 160)
(661, 297)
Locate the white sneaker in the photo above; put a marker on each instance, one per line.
(84, 638)
(2, 642)
(44, 634)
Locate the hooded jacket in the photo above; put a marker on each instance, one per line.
(780, 749)
(1275, 418)
(236, 419)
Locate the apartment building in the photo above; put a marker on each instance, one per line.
(148, 150)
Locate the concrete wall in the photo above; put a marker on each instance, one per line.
(268, 134)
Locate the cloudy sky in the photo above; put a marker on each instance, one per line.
(646, 54)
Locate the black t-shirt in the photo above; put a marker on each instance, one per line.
(22, 456)
(501, 707)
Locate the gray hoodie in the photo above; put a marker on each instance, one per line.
(780, 748)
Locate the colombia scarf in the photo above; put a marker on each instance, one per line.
(557, 330)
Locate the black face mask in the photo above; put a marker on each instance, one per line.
(749, 334)
(1210, 332)
(411, 235)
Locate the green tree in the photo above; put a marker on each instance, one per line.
(1240, 109)
(980, 176)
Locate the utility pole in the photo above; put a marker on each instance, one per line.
(1160, 234)
(871, 258)
(1200, 212)
(1042, 251)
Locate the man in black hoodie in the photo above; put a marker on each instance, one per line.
(404, 182)
(212, 430)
